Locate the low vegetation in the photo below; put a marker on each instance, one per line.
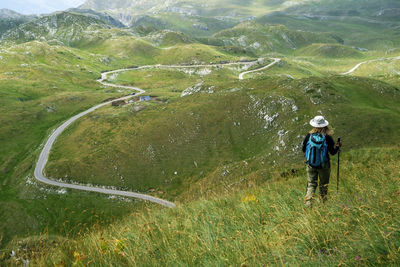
(331, 51)
(227, 151)
(260, 224)
(238, 124)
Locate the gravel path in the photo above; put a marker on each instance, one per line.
(44, 155)
(276, 60)
(369, 61)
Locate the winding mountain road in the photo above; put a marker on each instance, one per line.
(44, 155)
(369, 61)
(276, 60)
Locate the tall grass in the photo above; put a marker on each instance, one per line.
(261, 225)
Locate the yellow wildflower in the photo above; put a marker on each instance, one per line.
(78, 257)
(119, 246)
(249, 198)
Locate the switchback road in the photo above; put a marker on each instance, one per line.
(44, 155)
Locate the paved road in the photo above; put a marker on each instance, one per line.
(44, 155)
(369, 61)
(276, 60)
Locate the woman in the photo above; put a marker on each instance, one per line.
(319, 140)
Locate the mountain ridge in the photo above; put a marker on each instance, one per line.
(64, 27)
(10, 19)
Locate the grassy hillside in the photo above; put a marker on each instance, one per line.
(168, 38)
(354, 31)
(223, 8)
(133, 51)
(41, 86)
(352, 8)
(225, 150)
(330, 50)
(267, 38)
(260, 116)
(64, 27)
(265, 224)
(195, 26)
(98, 15)
(384, 69)
(10, 19)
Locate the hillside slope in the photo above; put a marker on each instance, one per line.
(267, 38)
(226, 150)
(40, 87)
(223, 8)
(380, 10)
(10, 19)
(267, 122)
(265, 224)
(64, 27)
(355, 31)
(330, 51)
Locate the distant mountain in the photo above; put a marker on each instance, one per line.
(195, 26)
(146, 24)
(168, 38)
(98, 15)
(365, 8)
(262, 39)
(330, 51)
(64, 27)
(102, 5)
(253, 26)
(10, 19)
(126, 10)
(9, 14)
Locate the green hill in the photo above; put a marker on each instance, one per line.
(40, 87)
(64, 27)
(194, 26)
(168, 38)
(147, 24)
(353, 30)
(267, 38)
(98, 15)
(226, 151)
(10, 19)
(330, 51)
(129, 49)
(265, 120)
(234, 10)
(353, 8)
(264, 223)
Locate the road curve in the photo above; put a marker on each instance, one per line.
(44, 155)
(276, 60)
(369, 61)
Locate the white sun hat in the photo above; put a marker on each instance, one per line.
(319, 122)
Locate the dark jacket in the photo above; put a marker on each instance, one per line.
(332, 148)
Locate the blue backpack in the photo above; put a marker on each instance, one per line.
(317, 151)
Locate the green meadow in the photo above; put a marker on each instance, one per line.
(226, 151)
(249, 224)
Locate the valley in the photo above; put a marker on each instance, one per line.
(47, 147)
(223, 93)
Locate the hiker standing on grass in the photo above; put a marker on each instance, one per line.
(317, 146)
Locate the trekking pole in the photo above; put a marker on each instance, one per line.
(338, 165)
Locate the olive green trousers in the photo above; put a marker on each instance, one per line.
(314, 174)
